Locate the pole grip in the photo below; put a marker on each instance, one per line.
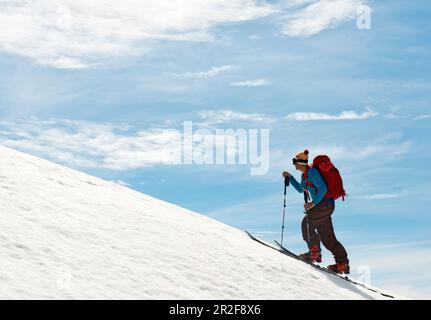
(286, 184)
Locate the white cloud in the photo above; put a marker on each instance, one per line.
(213, 72)
(390, 116)
(423, 117)
(345, 115)
(298, 3)
(319, 15)
(223, 116)
(251, 83)
(254, 37)
(382, 196)
(64, 63)
(358, 153)
(78, 33)
(85, 144)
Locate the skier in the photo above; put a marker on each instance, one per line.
(317, 224)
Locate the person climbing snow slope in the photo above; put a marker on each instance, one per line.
(317, 224)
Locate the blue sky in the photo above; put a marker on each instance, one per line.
(101, 90)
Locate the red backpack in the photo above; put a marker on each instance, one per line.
(330, 175)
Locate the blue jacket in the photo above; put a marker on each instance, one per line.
(318, 191)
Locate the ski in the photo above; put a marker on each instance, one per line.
(290, 254)
(344, 277)
(262, 242)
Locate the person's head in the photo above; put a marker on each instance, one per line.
(301, 161)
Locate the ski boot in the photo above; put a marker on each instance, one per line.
(313, 255)
(340, 267)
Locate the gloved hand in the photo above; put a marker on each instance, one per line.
(286, 174)
(308, 206)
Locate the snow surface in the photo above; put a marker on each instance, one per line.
(68, 235)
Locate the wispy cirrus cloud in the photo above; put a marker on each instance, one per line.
(372, 149)
(224, 116)
(211, 73)
(113, 146)
(319, 15)
(78, 34)
(423, 117)
(251, 83)
(75, 34)
(345, 115)
(91, 145)
(382, 196)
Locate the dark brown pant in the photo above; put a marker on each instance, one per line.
(321, 230)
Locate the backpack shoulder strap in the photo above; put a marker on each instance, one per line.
(308, 183)
(307, 197)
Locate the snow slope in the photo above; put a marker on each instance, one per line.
(68, 235)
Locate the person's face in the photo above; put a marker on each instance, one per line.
(299, 166)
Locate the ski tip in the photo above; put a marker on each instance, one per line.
(249, 234)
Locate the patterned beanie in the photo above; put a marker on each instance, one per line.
(302, 157)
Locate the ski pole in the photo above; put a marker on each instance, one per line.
(286, 184)
(306, 198)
